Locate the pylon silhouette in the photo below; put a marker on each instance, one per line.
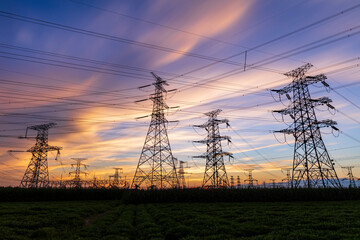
(311, 164)
(215, 173)
(37, 172)
(156, 167)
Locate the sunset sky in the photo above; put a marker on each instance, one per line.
(79, 63)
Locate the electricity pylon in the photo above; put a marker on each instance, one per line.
(273, 185)
(215, 173)
(287, 179)
(76, 181)
(181, 173)
(350, 176)
(156, 167)
(232, 181)
(37, 172)
(116, 178)
(250, 179)
(238, 183)
(311, 164)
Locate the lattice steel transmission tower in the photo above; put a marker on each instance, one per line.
(215, 173)
(250, 179)
(273, 185)
(238, 183)
(116, 178)
(76, 181)
(311, 163)
(37, 172)
(156, 167)
(181, 174)
(232, 183)
(350, 176)
(287, 179)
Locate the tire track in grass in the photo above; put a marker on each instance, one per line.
(170, 228)
(91, 219)
(146, 228)
(123, 227)
(99, 212)
(99, 226)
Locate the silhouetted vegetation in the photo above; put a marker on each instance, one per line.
(181, 195)
(8, 194)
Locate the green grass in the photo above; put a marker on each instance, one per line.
(116, 220)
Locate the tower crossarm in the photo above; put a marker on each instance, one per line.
(285, 131)
(308, 80)
(224, 154)
(212, 121)
(322, 101)
(214, 139)
(285, 111)
(326, 123)
(78, 172)
(283, 90)
(46, 148)
(219, 121)
(201, 126)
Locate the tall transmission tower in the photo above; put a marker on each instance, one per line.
(250, 179)
(232, 183)
(156, 167)
(238, 183)
(76, 181)
(273, 185)
(287, 179)
(350, 176)
(311, 163)
(37, 172)
(181, 173)
(215, 173)
(116, 178)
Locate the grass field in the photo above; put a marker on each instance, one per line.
(115, 220)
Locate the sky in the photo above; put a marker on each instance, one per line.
(79, 64)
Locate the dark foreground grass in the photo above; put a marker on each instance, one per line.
(117, 220)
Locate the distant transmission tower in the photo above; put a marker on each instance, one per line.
(350, 176)
(273, 185)
(156, 167)
(250, 179)
(311, 164)
(215, 173)
(287, 179)
(116, 178)
(37, 172)
(76, 181)
(181, 174)
(238, 183)
(232, 183)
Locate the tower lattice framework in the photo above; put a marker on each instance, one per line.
(312, 164)
(116, 177)
(156, 167)
(250, 179)
(287, 179)
(181, 174)
(215, 175)
(37, 172)
(76, 181)
(350, 176)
